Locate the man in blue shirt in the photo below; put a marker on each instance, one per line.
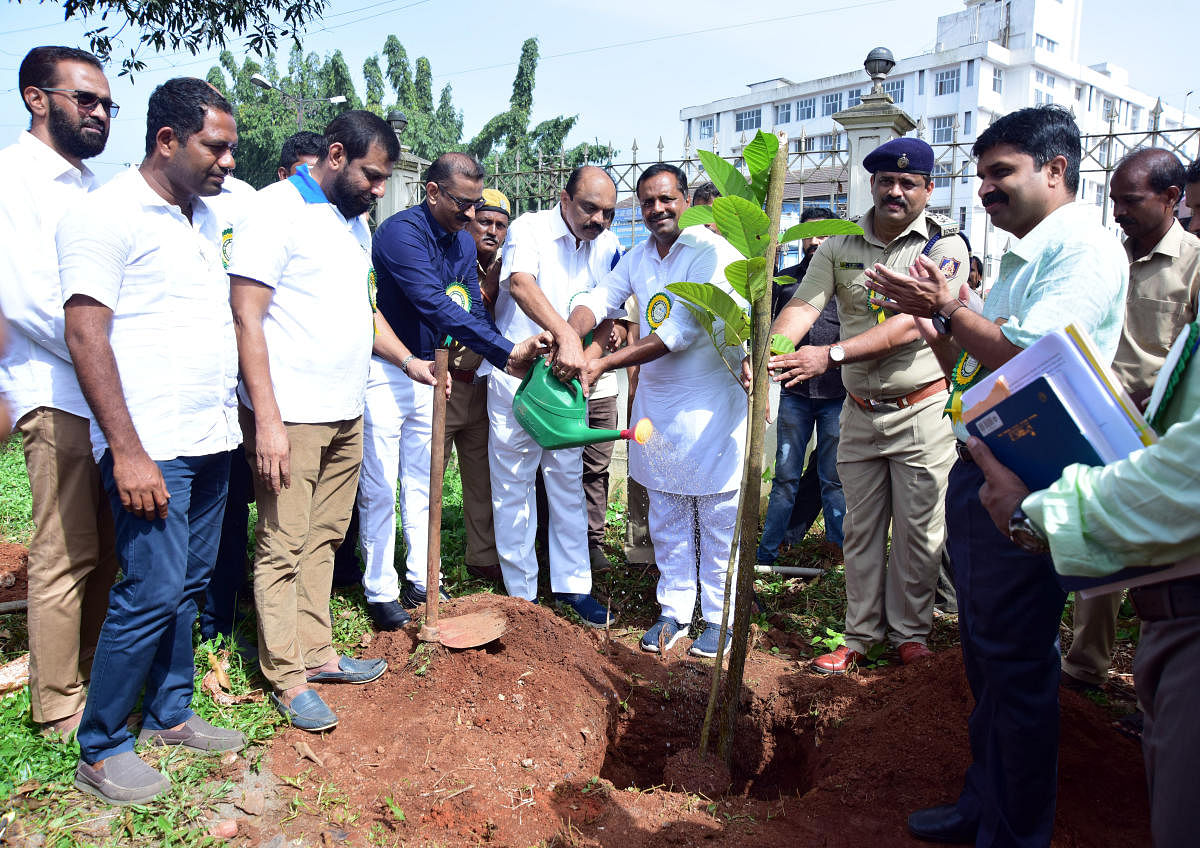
(428, 291)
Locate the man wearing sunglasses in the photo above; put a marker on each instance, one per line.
(428, 291)
(71, 557)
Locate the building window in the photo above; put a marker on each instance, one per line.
(806, 109)
(967, 123)
(783, 113)
(1135, 118)
(853, 97)
(962, 218)
(943, 129)
(966, 172)
(895, 90)
(1108, 108)
(1040, 77)
(970, 72)
(827, 142)
(718, 122)
(941, 175)
(831, 103)
(1099, 194)
(920, 83)
(706, 128)
(1047, 44)
(945, 82)
(998, 80)
(1078, 93)
(751, 119)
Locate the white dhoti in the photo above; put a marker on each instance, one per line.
(692, 537)
(515, 458)
(397, 432)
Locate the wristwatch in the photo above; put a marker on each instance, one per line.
(1025, 535)
(941, 320)
(837, 353)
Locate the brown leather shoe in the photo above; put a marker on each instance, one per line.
(910, 652)
(486, 572)
(837, 662)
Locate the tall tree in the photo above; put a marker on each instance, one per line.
(192, 26)
(374, 79)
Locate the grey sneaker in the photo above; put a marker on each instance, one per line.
(198, 735)
(123, 779)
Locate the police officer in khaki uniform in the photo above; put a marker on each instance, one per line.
(896, 447)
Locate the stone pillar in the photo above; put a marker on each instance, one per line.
(869, 124)
(403, 186)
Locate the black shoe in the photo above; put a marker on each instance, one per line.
(1070, 681)
(942, 824)
(388, 615)
(412, 597)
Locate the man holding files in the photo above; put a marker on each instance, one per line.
(1061, 268)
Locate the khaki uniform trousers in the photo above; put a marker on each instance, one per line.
(1095, 625)
(297, 533)
(72, 560)
(467, 431)
(893, 464)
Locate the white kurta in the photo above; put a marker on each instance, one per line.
(697, 406)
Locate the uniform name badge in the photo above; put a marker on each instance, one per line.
(658, 309)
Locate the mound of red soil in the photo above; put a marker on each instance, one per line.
(554, 735)
(14, 572)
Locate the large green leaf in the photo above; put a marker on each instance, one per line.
(781, 344)
(748, 277)
(743, 224)
(696, 215)
(703, 317)
(758, 155)
(827, 227)
(716, 302)
(728, 179)
(783, 280)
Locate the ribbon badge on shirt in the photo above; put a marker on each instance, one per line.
(457, 292)
(966, 372)
(658, 310)
(226, 246)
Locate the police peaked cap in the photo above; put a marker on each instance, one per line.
(901, 155)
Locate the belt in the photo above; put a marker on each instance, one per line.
(463, 375)
(1173, 599)
(915, 396)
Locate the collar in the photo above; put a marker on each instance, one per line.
(1047, 230)
(917, 225)
(559, 228)
(308, 187)
(152, 199)
(1169, 245)
(439, 232)
(47, 159)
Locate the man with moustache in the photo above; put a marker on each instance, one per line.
(301, 276)
(148, 326)
(71, 557)
(895, 447)
(466, 411)
(797, 497)
(552, 257)
(428, 289)
(1164, 283)
(1062, 268)
(697, 406)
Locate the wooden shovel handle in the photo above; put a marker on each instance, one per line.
(436, 468)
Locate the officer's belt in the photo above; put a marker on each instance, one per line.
(915, 396)
(1172, 599)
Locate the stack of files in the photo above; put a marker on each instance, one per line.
(1056, 404)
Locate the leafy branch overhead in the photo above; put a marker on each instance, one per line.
(192, 26)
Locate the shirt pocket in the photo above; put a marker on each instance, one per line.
(1154, 324)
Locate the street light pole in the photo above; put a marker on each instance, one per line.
(298, 102)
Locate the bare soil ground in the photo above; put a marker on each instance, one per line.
(14, 572)
(560, 736)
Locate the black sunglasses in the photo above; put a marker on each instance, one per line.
(87, 100)
(462, 204)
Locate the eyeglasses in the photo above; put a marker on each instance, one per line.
(87, 100)
(462, 204)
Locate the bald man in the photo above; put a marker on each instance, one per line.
(550, 259)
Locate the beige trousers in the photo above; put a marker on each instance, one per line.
(893, 464)
(467, 429)
(297, 533)
(72, 561)
(1095, 625)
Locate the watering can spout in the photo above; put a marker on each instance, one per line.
(555, 413)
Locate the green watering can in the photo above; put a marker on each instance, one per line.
(554, 413)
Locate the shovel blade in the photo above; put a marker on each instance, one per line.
(473, 630)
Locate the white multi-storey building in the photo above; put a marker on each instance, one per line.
(991, 58)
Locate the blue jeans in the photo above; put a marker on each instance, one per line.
(146, 641)
(1009, 610)
(797, 417)
(227, 587)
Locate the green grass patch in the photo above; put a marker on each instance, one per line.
(16, 502)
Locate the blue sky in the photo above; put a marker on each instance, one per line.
(626, 68)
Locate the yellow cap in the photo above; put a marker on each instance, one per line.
(495, 200)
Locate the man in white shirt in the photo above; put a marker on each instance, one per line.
(71, 558)
(693, 466)
(301, 275)
(148, 325)
(551, 258)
